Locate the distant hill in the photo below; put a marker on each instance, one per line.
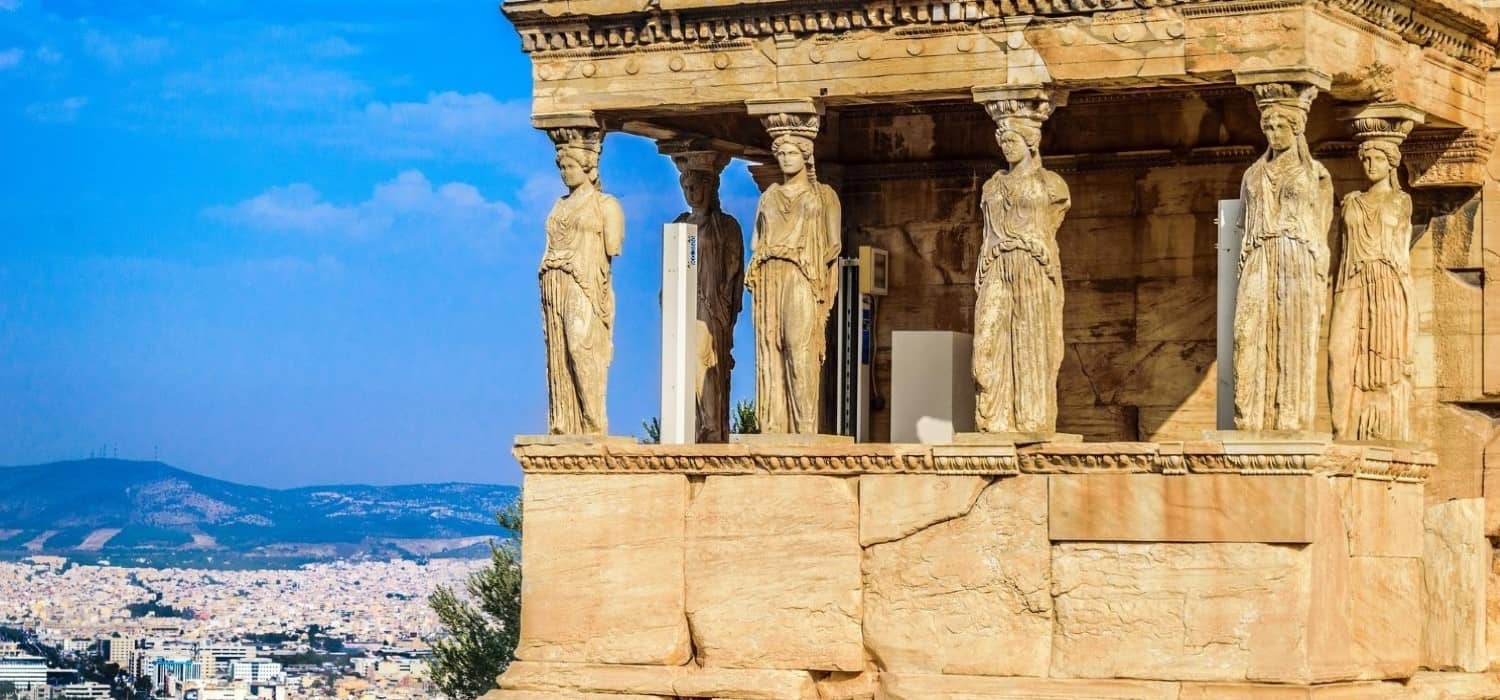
(151, 512)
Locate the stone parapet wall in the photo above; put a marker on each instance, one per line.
(1116, 570)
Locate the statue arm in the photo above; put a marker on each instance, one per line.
(1405, 209)
(735, 264)
(833, 221)
(1239, 221)
(833, 214)
(1322, 249)
(614, 227)
(1325, 201)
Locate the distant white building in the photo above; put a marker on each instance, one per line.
(254, 670)
(84, 691)
(26, 672)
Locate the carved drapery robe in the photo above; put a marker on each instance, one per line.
(792, 279)
(1018, 337)
(721, 275)
(578, 311)
(1282, 295)
(1373, 330)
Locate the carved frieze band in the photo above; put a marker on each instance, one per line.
(1377, 463)
(1468, 36)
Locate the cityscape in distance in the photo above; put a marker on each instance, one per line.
(125, 578)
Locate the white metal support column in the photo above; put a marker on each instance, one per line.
(1230, 211)
(679, 328)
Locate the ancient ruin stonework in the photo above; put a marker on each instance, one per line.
(1337, 545)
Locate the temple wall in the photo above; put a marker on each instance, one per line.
(1112, 570)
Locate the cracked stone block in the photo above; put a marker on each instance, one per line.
(1217, 611)
(1456, 566)
(1386, 614)
(968, 595)
(604, 569)
(1175, 611)
(774, 579)
(892, 506)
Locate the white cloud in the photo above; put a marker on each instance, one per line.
(335, 47)
(10, 58)
(60, 112)
(124, 49)
(10, 5)
(405, 208)
(282, 88)
(473, 126)
(49, 55)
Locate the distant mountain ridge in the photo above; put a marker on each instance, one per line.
(99, 508)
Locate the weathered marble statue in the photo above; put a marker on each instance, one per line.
(1374, 324)
(1288, 207)
(1018, 335)
(721, 278)
(793, 278)
(584, 231)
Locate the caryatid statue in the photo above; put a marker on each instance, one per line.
(1374, 326)
(721, 280)
(793, 273)
(584, 232)
(1018, 334)
(1284, 258)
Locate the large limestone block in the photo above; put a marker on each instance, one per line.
(1456, 565)
(604, 569)
(892, 506)
(670, 681)
(1385, 615)
(1208, 611)
(747, 684)
(774, 578)
(969, 595)
(565, 695)
(1384, 518)
(602, 678)
(908, 686)
(1453, 686)
(1492, 626)
(1177, 611)
(1256, 691)
(1181, 508)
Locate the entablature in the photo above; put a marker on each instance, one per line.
(628, 57)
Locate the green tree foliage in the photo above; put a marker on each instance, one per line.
(653, 431)
(482, 628)
(7, 689)
(742, 420)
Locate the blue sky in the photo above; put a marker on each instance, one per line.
(291, 243)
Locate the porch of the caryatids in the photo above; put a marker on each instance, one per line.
(1373, 330)
(721, 279)
(1284, 260)
(584, 232)
(793, 271)
(1018, 332)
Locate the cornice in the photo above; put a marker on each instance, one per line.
(1207, 457)
(547, 26)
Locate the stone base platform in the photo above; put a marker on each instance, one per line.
(948, 572)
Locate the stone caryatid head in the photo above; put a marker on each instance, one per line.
(578, 151)
(792, 142)
(1283, 113)
(1380, 139)
(698, 173)
(1018, 125)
